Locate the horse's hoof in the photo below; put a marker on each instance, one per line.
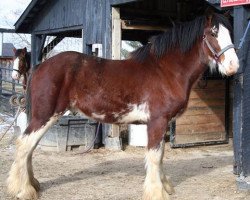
(35, 183)
(168, 185)
(156, 194)
(27, 193)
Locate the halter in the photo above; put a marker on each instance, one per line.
(17, 70)
(215, 54)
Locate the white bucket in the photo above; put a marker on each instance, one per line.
(138, 135)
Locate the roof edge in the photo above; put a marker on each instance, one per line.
(24, 14)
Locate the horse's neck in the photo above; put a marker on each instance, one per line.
(190, 64)
(185, 69)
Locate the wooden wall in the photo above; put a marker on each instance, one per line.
(204, 118)
(60, 14)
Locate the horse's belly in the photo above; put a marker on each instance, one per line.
(131, 114)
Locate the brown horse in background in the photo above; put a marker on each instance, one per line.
(21, 66)
(151, 87)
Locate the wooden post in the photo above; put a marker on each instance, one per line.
(241, 111)
(116, 34)
(116, 51)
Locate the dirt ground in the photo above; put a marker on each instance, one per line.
(203, 173)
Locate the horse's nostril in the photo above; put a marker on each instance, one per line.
(234, 64)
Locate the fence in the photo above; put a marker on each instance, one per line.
(8, 87)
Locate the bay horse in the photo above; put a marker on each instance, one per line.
(151, 87)
(21, 66)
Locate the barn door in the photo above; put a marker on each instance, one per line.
(205, 120)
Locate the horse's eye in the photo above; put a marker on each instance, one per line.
(214, 34)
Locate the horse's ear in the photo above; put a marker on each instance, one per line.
(25, 50)
(209, 14)
(14, 50)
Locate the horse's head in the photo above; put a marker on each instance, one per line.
(21, 65)
(218, 45)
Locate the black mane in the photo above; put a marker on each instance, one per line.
(182, 36)
(28, 59)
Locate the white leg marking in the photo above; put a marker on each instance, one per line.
(156, 185)
(21, 181)
(15, 75)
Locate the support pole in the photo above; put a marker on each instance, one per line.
(116, 50)
(112, 140)
(241, 110)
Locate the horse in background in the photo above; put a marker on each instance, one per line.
(151, 87)
(21, 66)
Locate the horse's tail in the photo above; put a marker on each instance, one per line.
(28, 94)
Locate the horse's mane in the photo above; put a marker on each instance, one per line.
(28, 58)
(182, 36)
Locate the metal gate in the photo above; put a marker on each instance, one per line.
(8, 87)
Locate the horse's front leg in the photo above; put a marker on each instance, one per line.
(156, 185)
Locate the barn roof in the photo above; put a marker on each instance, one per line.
(23, 23)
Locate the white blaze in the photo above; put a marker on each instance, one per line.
(15, 75)
(231, 62)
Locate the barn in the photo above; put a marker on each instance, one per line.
(212, 114)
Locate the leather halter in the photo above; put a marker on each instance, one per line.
(215, 54)
(17, 70)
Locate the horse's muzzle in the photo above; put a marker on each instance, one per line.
(15, 75)
(233, 68)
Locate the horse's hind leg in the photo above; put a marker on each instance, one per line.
(21, 182)
(156, 185)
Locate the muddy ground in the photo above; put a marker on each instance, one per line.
(203, 173)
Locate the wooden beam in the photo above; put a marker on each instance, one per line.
(149, 13)
(126, 25)
(6, 30)
(119, 2)
(52, 44)
(116, 50)
(116, 34)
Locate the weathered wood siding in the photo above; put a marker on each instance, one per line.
(95, 21)
(60, 14)
(204, 119)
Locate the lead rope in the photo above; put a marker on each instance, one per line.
(12, 123)
(87, 149)
(242, 40)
